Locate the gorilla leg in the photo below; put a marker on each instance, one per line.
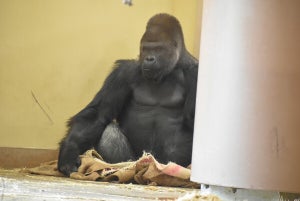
(178, 148)
(113, 146)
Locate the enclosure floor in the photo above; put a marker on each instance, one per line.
(28, 187)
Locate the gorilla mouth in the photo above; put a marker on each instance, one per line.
(147, 72)
(146, 69)
(150, 73)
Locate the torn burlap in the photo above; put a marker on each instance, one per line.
(146, 170)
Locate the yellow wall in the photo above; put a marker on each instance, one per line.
(55, 55)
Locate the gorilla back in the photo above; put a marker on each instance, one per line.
(152, 99)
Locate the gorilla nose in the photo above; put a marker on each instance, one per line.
(149, 60)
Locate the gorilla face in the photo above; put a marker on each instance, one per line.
(158, 58)
(160, 47)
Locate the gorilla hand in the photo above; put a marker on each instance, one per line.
(68, 160)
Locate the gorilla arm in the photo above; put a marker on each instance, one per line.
(190, 74)
(86, 127)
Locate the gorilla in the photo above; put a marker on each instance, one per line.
(147, 104)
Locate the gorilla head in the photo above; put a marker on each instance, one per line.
(161, 46)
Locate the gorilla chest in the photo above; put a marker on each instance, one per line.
(164, 94)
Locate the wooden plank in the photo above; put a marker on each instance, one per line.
(11, 157)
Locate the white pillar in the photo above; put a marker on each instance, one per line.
(247, 127)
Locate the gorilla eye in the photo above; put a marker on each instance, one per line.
(159, 48)
(144, 48)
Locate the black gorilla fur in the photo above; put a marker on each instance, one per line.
(152, 99)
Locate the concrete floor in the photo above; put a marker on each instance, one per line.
(20, 186)
(15, 186)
